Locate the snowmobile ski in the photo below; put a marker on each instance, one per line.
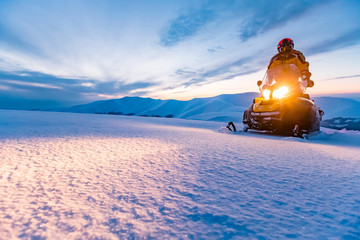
(231, 127)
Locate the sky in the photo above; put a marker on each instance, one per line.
(62, 53)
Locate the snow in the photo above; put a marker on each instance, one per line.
(88, 176)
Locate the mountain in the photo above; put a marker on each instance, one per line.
(338, 107)
(219, 108)
(227, 107)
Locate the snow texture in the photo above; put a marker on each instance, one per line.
(87, 176)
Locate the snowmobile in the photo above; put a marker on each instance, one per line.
(284, 108)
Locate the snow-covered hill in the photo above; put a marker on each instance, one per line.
(88, 176)
(338, 107)
(219, 108)
(228, 107)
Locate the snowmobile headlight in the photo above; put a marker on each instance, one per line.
(281, 92)
(266, 94)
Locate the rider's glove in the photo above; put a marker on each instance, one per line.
(310, 83)
(305, 74)
(306, 77)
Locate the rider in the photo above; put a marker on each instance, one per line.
(288, 55)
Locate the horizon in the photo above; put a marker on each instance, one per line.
(351, 96)
(58, 54)
(54, 105)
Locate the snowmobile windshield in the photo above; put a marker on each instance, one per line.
(282, 81)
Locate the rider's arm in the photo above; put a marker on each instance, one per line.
(303, 65)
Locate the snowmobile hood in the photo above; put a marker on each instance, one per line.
(278, 105)
(262, 105)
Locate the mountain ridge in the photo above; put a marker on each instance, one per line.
(225, 107)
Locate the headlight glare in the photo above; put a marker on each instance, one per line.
(280, 93)
(266, 94)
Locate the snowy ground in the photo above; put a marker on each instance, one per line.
(83, 176)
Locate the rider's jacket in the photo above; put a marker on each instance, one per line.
(294, 57)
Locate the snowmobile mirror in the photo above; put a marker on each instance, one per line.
(259, 83)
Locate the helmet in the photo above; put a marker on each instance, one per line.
(285, 45)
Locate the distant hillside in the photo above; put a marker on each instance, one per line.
(338, 107)
(227, 107)
(220, 108)
(342, 123)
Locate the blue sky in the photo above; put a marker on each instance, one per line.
(61, 53)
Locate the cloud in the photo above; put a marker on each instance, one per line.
(252, 17)
(267, 15)
(6, 88)
(87, 84)
(194, 82)
(30, 84)
(184, 72)
(114, 87)
(186, 26)
(212, 50)
(47, 89)
(343, 77)
(30, 80)
(29, 90)
(233, 69)
(28, 77)
(347, 39)
(81, 39)
(224, 72)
